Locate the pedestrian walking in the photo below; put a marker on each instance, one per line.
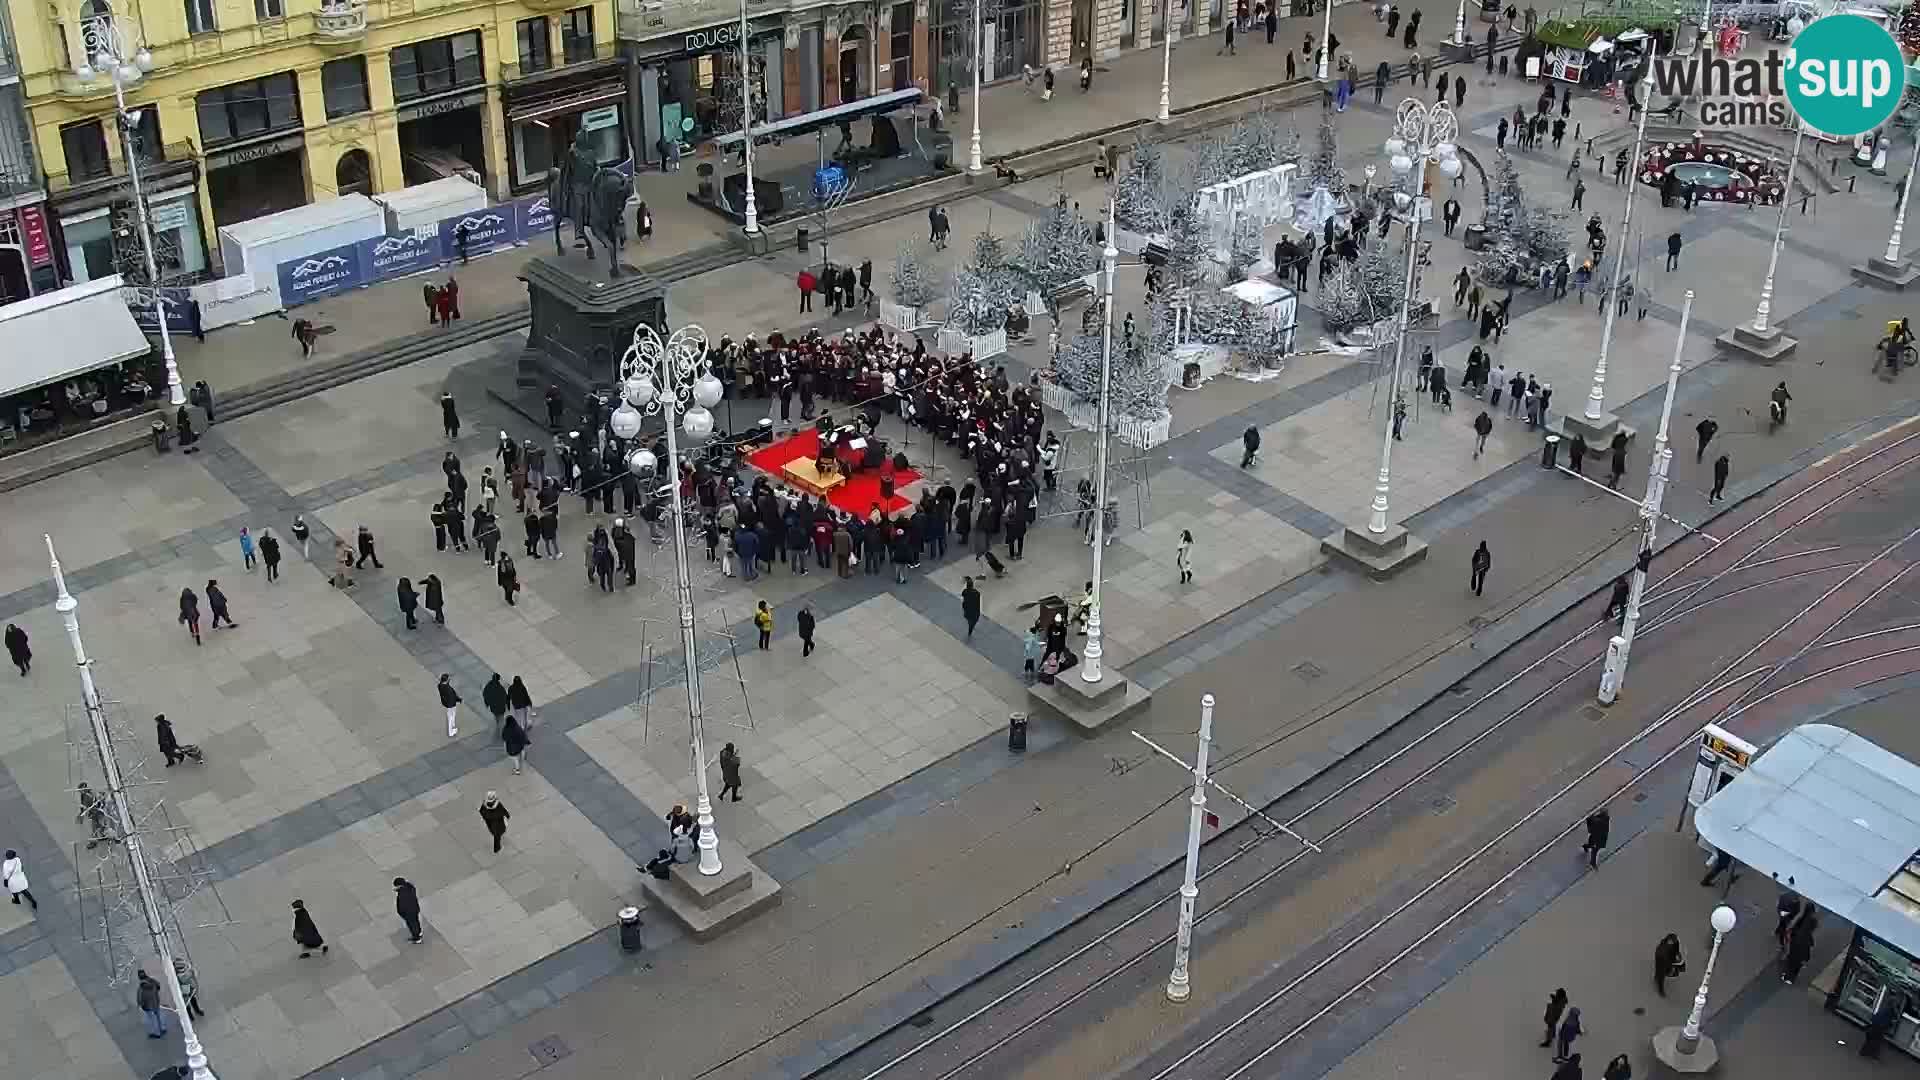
(1618, 1069)
(1481, 563)
(495, 814)
(1722, 864)
(363, 537)
(969, 604)
(515, 739)
(270, 554)
(93, 809)
(1705, 429)
(189, 985)
(246, 548)
(435, 599)
(1799, 945)
(167, 741)
(1721, 465)
(494, 696)
(18, 650)
(1249, 446)
(406, 904)
(1224, 50)
(1569, 1069)
(763, 622)
(302, 535)
(729, 772)
(305, 933)
(13, 872)
(1884, 1019)
(1788, 909)
(1556, 1007)
(1618, 468)
(1183, 557)
(1598, 824)
(190, 613)
(507, 577)
(449, 416)
(1617, 602)
(409, 602)
(1673, 251)
(450, 701)
(1667, 962)
(804, 622)
(1482, 427)
(217, 603)
(521, 703)
(146, 994)
(1570, 1030)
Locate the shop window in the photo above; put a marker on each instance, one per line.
(200, 17)
(431, 67)
(244, 110)
(85, 144)
(900, 49)
(536, 51)
(576, 34)
(266, 10)
(343, 83)
(145, 134)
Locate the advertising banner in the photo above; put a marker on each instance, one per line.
(400, 254)
(484, 230)
(321, 274)
(176, 303)
(533, 217)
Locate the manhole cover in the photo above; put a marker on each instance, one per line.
(549, 1050)
(1443, 804)
(1308, 670)
(921, 1020)
(1592, 713)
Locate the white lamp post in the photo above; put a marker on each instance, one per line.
(666, 377)
(1595, 411)
(974, 164)
(1900, 216)
(124, 821)
(1326, 42)
(109, 51)
(1614, 674)
(1178, 984)
(1460, 29)
(1422, 132)
(1091, 671)
(1765, 307)
(746, 122)
(1723, 920)
(1166, 66)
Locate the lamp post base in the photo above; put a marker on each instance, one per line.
(709, 905)
(1091, 706)
(1671, 1046)
(1888, 275)
(1765, 346)
(1599, 433)
(1377, 555)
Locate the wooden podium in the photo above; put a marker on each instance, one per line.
(805, 474)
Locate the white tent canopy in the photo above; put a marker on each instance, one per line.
(60, 334)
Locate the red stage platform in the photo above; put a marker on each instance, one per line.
(856, 496)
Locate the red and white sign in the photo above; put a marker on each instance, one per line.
(33, 234)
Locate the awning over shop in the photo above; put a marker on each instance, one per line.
(66, 332)
(568, 103)
(852, 110)
(1834, 817)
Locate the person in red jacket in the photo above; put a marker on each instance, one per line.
(807, 283)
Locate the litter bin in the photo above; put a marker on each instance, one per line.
(1190, 375)
(800, 238)
(630, 929)
(1017, 733)
(162, 437)
(1550, 452)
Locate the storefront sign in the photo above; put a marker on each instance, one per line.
(440, 106)
(532, 218)
(484, 230)
(223, 159)
(321, 274)
(166, 217)
(595, 119)
(402, 254)
(177, 303)
(33, 235)
(715, 37)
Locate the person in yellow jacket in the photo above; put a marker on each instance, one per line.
(763, 621)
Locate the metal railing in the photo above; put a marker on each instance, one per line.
(340, 19)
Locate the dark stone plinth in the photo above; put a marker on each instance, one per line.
(583, 321)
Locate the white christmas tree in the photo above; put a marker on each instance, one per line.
(1520, 235)
(984, 289)
(1245, 248)
(1138, 194)
(1057, 249)
(1188, 247)
(914, 282)
(1323, 168)
(1381, 275)
(1344, 304)
(1076, 366)
(1262, 140)
(1142, 374)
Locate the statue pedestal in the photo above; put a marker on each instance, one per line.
(583, 322)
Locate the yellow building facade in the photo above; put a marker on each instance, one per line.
(256, 106)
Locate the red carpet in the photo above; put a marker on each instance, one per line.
(856, 496)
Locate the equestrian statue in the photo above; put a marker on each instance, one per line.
(592, 198)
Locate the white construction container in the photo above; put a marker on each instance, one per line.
(258, 247)
(423, 206)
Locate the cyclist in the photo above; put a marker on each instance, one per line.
(1779, 399)
(1895, 345)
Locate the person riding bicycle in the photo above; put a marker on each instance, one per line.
(1899, 338)
(1780, 397)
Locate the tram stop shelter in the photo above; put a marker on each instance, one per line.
(1836, 818)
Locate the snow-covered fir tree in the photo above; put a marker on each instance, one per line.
(1140, 191)
(1143, 373)
(1245, 247)
(1262, 140)
(913, 277)
(1344, 303)
(1323, 167)
(1188, 247)
(1076, 367)
(1520, 234)
(1382, 270)
(984, 288)
(1057, 249)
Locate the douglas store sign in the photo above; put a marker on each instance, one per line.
(384, 258)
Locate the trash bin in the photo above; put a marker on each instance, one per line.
(800, 238)
(162, 437)
(1550, 452)
(1017, 733)
(1190, 375)
(630, 929)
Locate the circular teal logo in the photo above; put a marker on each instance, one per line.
(1845, 75)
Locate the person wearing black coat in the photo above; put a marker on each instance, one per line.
(1599, 823)
(435, 599)
(1799, 945)
(507, 577)
(494, 813)
(1569, 1069)
(866, 281)
(450, 701)
(804, 623)
(438, 516)
(1556, 1005)
(1667, 962)
(169, 744)
(905, 550)
(409, 602)
(970, 605)
(520, 701)
(406, 904)
(270, 554)
(1481, 562)
(17, 648)
(515, 738)
(494, 696)
(305, 933)
(217, 603)
(449, 416)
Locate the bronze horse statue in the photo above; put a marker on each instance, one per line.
(592, 198)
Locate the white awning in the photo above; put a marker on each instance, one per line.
(63, 333)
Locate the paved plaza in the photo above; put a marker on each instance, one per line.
(329, 767)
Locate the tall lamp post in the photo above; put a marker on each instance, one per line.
(1166, 65)
(1900, 218)
(1326, 42)
(1893, 269)
(1614, 674)
(667, 378)
(1421, 133)
(124, 822)
(1600, 426)
(1460, 30)
(1179, 986)
(1765, 307)
(752, 227)
(108, 50)
(974, 164)
(1091, 671)
(1685, 1049)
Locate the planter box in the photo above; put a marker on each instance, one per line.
(982, 346)
(1085, 415)
(1211, 361)
(901, 317)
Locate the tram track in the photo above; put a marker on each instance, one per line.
(1120, 938)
